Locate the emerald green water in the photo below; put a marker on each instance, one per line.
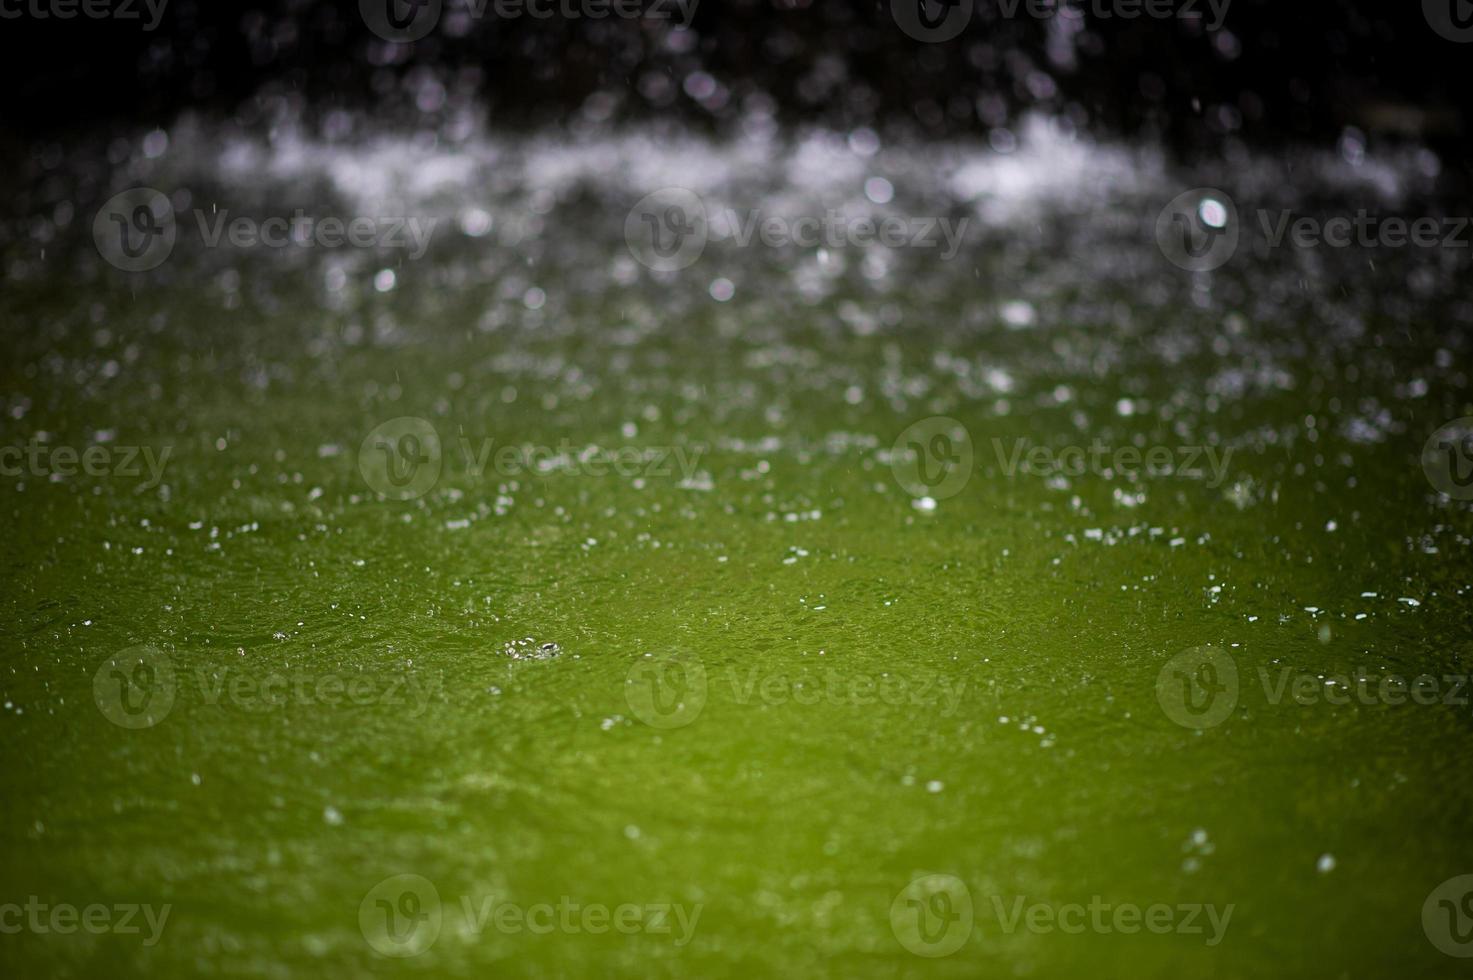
(889, 691)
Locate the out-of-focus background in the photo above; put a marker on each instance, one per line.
(617, 526)
(1210, 74)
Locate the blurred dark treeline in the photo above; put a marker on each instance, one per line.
(1275, 72)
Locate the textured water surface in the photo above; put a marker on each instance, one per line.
(697, 641)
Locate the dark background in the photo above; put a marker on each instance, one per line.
(1279, 72)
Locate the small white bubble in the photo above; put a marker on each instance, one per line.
(384, 280)
(879, 190)
(1326, 864)
(155, 143)
(475, 222)
(1019, 314)
(1213, 213)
